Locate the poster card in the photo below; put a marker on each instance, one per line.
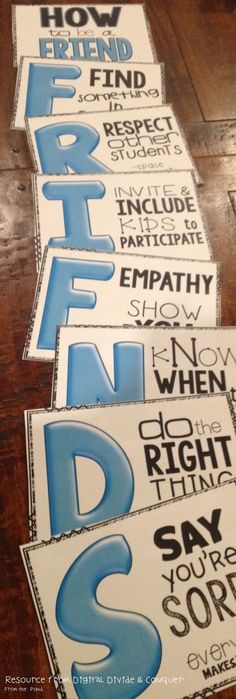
(84, 467)
(143, 604)
(92, 363)
(85, 33)
(102, 288)
(135, 140)
(150, 213)
(48, 87)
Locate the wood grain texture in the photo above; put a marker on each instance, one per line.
(179, 89)
(219, 179)
(23, 385)
(206, 31)
(14, 150)
(211, 138)
(196, 39)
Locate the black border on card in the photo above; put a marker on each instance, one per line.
(37, 237)
(149, 31)
(14, 35)
(61, 4)
(16, 94)
(192, 167)
(76, 410)
(13, 127)
(25, 553)
(104, 252)
(35, 189)
(121, 328)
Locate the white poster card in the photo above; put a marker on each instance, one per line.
(46, 88)
(135, 140)
(84, 287)
(148, 213)
(84, 467)
(142, 605)
(93, 363)
(82, 32)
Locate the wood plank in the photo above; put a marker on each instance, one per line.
(179, 88)
(211, 138)
(13, 144)
(23, 385)
(9, 73)
(219, 179)
(17, 222)
(206, 32)
(14, 150)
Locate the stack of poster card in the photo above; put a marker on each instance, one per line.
(150, 214)
(170, 448)
(88, 86)
(137, 140)
(131, 472)
(92, 364)
(85, 33)
(74, 285)
(156, 589)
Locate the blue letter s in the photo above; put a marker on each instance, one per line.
(133, 641)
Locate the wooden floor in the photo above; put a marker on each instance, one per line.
(197, 41)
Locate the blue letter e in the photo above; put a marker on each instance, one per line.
(42, 89)
(61, 296)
